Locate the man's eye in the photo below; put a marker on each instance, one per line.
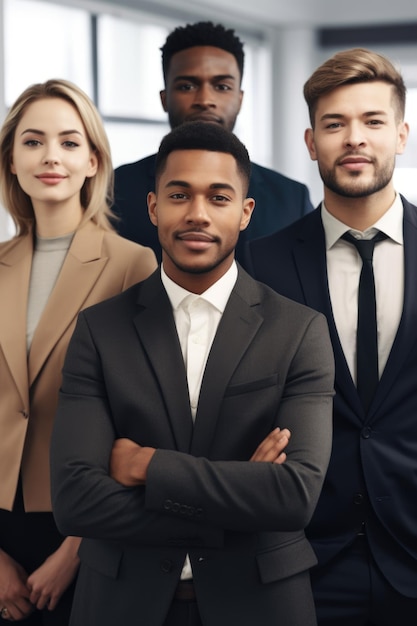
(185, 87)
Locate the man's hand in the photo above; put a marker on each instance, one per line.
(53, 577)
(14, 594)
(129, 462)
(270, 450)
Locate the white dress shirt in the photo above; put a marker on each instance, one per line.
(343, 270)
(197, 318)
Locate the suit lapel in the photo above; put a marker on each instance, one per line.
(311, 263)
(80, 271)
(239, 325)
(155, 326)
(406, 336)
(15, 265)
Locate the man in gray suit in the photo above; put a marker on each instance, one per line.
(178, 400)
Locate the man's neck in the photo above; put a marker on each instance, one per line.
(359, 213)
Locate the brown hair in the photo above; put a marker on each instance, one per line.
(357, 65)
(96, 193)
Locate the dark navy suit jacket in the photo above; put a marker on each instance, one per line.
(279, 202)
(372, 475)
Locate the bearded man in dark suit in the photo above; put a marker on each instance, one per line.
(203, 68)
(364, 529)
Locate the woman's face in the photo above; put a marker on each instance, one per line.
(51, 154)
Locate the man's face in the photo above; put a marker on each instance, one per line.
(356, 137)
(199, 209)
(203, 83)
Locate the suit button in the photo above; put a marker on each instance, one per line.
(166, 566)
(366, 432)
(168, 505)
(358, 499)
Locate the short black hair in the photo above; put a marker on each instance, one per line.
(202, 34)
(204, 136)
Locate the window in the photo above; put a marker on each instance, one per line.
(43, 40)
(116, 60)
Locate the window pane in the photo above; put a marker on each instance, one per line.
(44, 41)
(130, 69)
(7, 229)
(252, 125)
(131, 142)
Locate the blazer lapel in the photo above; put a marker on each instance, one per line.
(15, 265)
(406, 336)
(80, 271)
(155, 326)
(311, 263)
(237, 328)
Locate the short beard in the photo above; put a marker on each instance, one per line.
(382, 178)
(202, 270)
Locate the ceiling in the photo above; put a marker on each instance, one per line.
(293, 12)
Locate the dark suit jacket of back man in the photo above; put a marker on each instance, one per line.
(279, 202)
(241, 522)
(372, 474)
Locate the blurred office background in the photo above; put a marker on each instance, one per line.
(110, 48)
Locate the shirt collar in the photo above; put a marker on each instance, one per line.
(217, 295)
(391, 223)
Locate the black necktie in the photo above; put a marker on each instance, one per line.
(367, 375)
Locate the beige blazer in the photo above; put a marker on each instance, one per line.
(99, 264)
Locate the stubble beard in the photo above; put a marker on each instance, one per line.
(354, 188)
(177, 120)
(189, 269)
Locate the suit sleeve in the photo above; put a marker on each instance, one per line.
(87, 502)
(246, 496)
(308, 207)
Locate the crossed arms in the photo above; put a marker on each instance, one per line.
(108, 486)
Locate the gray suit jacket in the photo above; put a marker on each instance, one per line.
(242, 523)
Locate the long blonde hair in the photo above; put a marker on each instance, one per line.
(96, 194)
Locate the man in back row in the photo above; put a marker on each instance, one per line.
(203, 68)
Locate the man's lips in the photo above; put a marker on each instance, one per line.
(354, 162)
(196, 240)
(204, 117)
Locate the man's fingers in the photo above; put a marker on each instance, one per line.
(272, 446)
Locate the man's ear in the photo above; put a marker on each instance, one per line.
(152, 208)
(403, 131)
(248, 206)
(241, 99)
(163, 96)
(311, 147)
